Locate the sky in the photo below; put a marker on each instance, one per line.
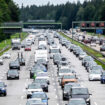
(42, 2)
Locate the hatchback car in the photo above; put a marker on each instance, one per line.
(80, 92)
(34, 87)
(12, 74)
(95, 75)
(6, 55)
(43, 83)
(14, 65)
(67, 89)
(68, 79)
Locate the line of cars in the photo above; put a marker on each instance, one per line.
(36, 91)
(96, 71)
(73, 91)
(92, 40)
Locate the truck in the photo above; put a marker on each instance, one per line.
(16, 43)
(41, 56)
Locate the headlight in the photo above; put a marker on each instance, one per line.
(3, 88)
(65, 92)
(88, 99)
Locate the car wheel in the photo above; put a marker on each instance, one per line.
(5, 93)
(7, 78)
(17, 77)
(101, 82)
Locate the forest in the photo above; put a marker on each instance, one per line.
(9, 12)
(66, 13)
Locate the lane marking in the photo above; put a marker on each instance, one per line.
(56, 97)
(95, 103)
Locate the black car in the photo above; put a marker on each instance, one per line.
(80, 92)
(43, 83)
(14, 65)
(3, 90)
(12, 74)
(67, 89)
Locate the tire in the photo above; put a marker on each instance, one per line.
(5, 93)
(101, 82)
(7, 78)
(18, 78)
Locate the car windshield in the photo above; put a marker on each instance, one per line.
(97, 68)
(95, 72)
(1, 84)
(65, 71)
(42, 74)
(12, 72)
(77, 102)
(42, 96)
(33, 101)
(69, 77)
(54, 50)
(79, 91)
(40, 80)
(67, 87)
(34, 86)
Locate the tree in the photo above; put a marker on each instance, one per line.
(80, 14)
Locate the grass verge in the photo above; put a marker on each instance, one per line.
(6, 42)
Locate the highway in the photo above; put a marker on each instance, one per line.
(97, 47)
(16, 89)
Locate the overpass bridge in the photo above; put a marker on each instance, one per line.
(11, 27)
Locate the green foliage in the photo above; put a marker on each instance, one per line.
(66, 13)
(9, 11)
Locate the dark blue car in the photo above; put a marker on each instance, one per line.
(103, 77)
(3, 89)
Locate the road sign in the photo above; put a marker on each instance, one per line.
(99, 31)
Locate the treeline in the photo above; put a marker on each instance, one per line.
(9, 12)
(66, 13)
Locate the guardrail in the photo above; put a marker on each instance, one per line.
(88, 52)
(5, 48)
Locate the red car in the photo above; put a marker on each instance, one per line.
(27, 48)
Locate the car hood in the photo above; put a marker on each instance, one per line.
(81, 96)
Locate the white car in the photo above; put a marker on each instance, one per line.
(6, 55)
(35, 87)
(1, 61)
(82, 55)
(93, 44)
(95, 75)
(42, 75)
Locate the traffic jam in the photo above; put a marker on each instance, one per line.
(51, 71)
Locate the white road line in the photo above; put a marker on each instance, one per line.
(54, 89)
(56, 97)
(95, 103)
(57, 104)
(22, 97)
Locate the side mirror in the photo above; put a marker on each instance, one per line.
(5, 85)
(90, 94)
(48, 98)
(26, 88)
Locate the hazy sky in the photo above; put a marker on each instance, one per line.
(42, 2)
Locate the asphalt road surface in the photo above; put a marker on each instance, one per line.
(16, 92)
